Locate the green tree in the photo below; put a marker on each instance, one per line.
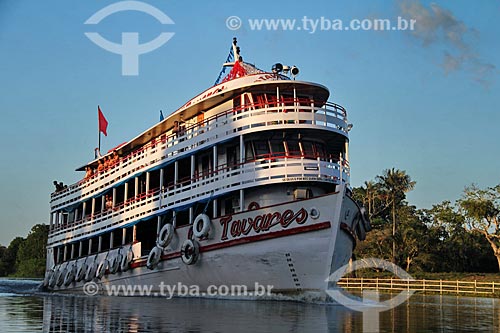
(4, 268)
(10, 256)
(394, 185)
(31, 256)
(482, 208)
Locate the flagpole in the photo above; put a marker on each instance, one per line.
(99, 132)
(102, 127)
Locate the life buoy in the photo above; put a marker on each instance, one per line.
(60, 277)
(165, 235)
(126, 260)
(89, 272)
(190, 251)
(80, 272)
(70, 275)
(201, 226)
(253, 206)
(153, 258)
(114, 263)
(101, 268)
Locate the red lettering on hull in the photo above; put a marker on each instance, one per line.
(259, 223)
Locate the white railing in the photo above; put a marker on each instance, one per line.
(424, 286)
(246, 119)
(260, 172)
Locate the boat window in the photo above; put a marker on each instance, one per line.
(236, 103)
(249, 154)
(85, 247)
(260, 100)
(98, 205)
(182, 218)
(95, 245)
(71, 216)
(272, 100)
(320, 150)
(105, 238)
(142, 184)
(231, 156)
(76, 250)
(57, 251)
(261, 149)
(131, 189)
(307, 149)
(287, 100)
(184, 171)
(65, 218)
(277, 147)
(168, 176)
(120, 193)
(145, 230)
(154, 179)
(293, 148)
(248, 99)
(129, 235)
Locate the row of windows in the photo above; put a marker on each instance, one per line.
(135, 188)
(257, 149)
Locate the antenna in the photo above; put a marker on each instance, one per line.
(236, 50)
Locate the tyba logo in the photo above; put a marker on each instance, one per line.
(130, 49)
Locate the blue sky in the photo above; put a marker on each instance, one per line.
(425, 101)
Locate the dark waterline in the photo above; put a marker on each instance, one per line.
(22, 309)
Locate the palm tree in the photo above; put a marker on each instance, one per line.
(396, 183)
(371, 192)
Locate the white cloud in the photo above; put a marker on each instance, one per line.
(436, 25)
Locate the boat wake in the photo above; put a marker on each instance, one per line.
(18, 287)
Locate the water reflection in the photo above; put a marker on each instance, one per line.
(108, 314)
(35, 312)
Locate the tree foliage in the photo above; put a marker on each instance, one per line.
(25, 257)
(481, 208)
(445, 238)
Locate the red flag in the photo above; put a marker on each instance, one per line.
(103, 123)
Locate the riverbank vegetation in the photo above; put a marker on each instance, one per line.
(460, 237)
(25, 257)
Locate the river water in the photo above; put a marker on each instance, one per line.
(24, 309)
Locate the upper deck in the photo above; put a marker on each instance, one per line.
(239, 111)
(222, 126)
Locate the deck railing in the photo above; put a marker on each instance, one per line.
(466, 288)
(243, 118)
(258, 172)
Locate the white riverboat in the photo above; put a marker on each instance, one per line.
(246, 183)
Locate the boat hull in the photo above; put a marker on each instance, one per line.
(288, 248)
